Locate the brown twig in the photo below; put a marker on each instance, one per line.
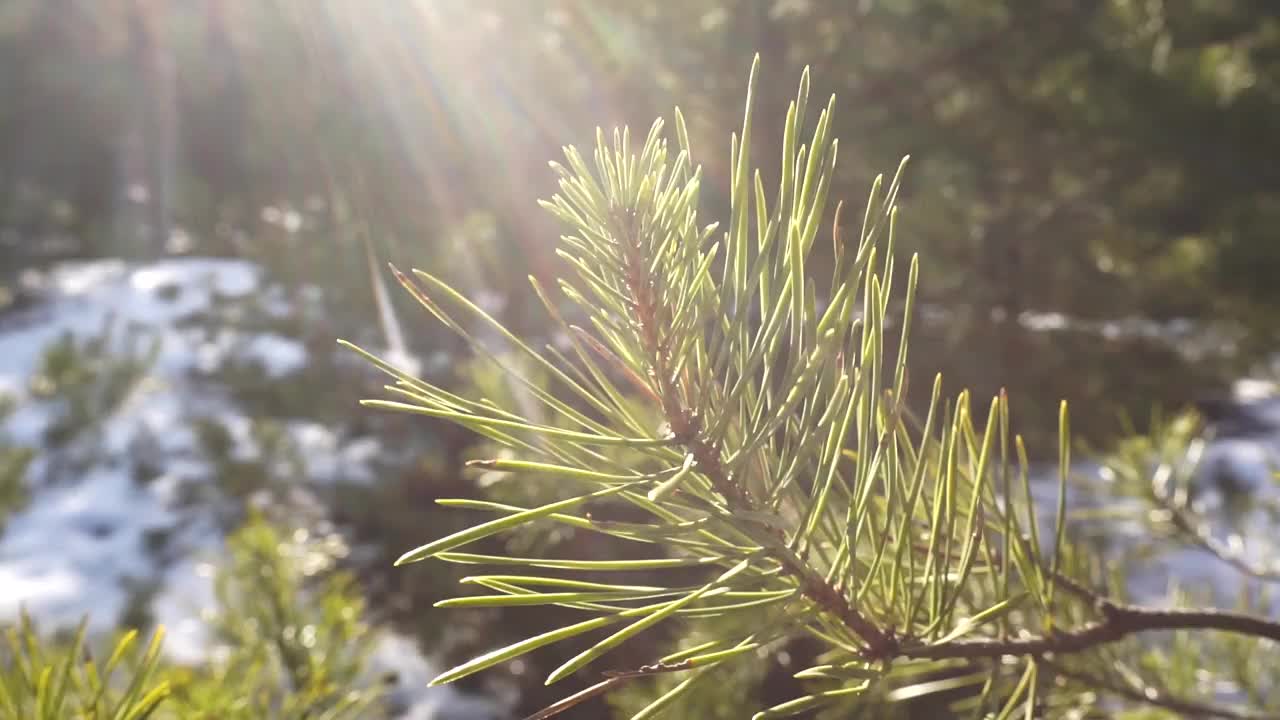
(1118, 622)
(649, 321)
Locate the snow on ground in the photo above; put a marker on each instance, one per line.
(398, 654)
(179, 606)
(73, 551)
(107, 518)
(89, 537)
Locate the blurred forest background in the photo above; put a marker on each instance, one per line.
(1094, 191)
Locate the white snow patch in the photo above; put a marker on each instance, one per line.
(330, 459)
(82, 297)
(1255, 389)
(74, 550)
(400, 655)
(1248, 461)
(402, 360)
(278, 355)
(182, 605)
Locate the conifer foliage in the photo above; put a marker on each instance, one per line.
(761, 427)
(291, 636)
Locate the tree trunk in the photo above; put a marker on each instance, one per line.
(150, 143)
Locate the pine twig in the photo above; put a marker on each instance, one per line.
(1118, 621)
(1153, 697)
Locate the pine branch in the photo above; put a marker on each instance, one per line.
(893, 536)
(1118, 622)
(1200, 537)
(1165, 489)
(1155, 698)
